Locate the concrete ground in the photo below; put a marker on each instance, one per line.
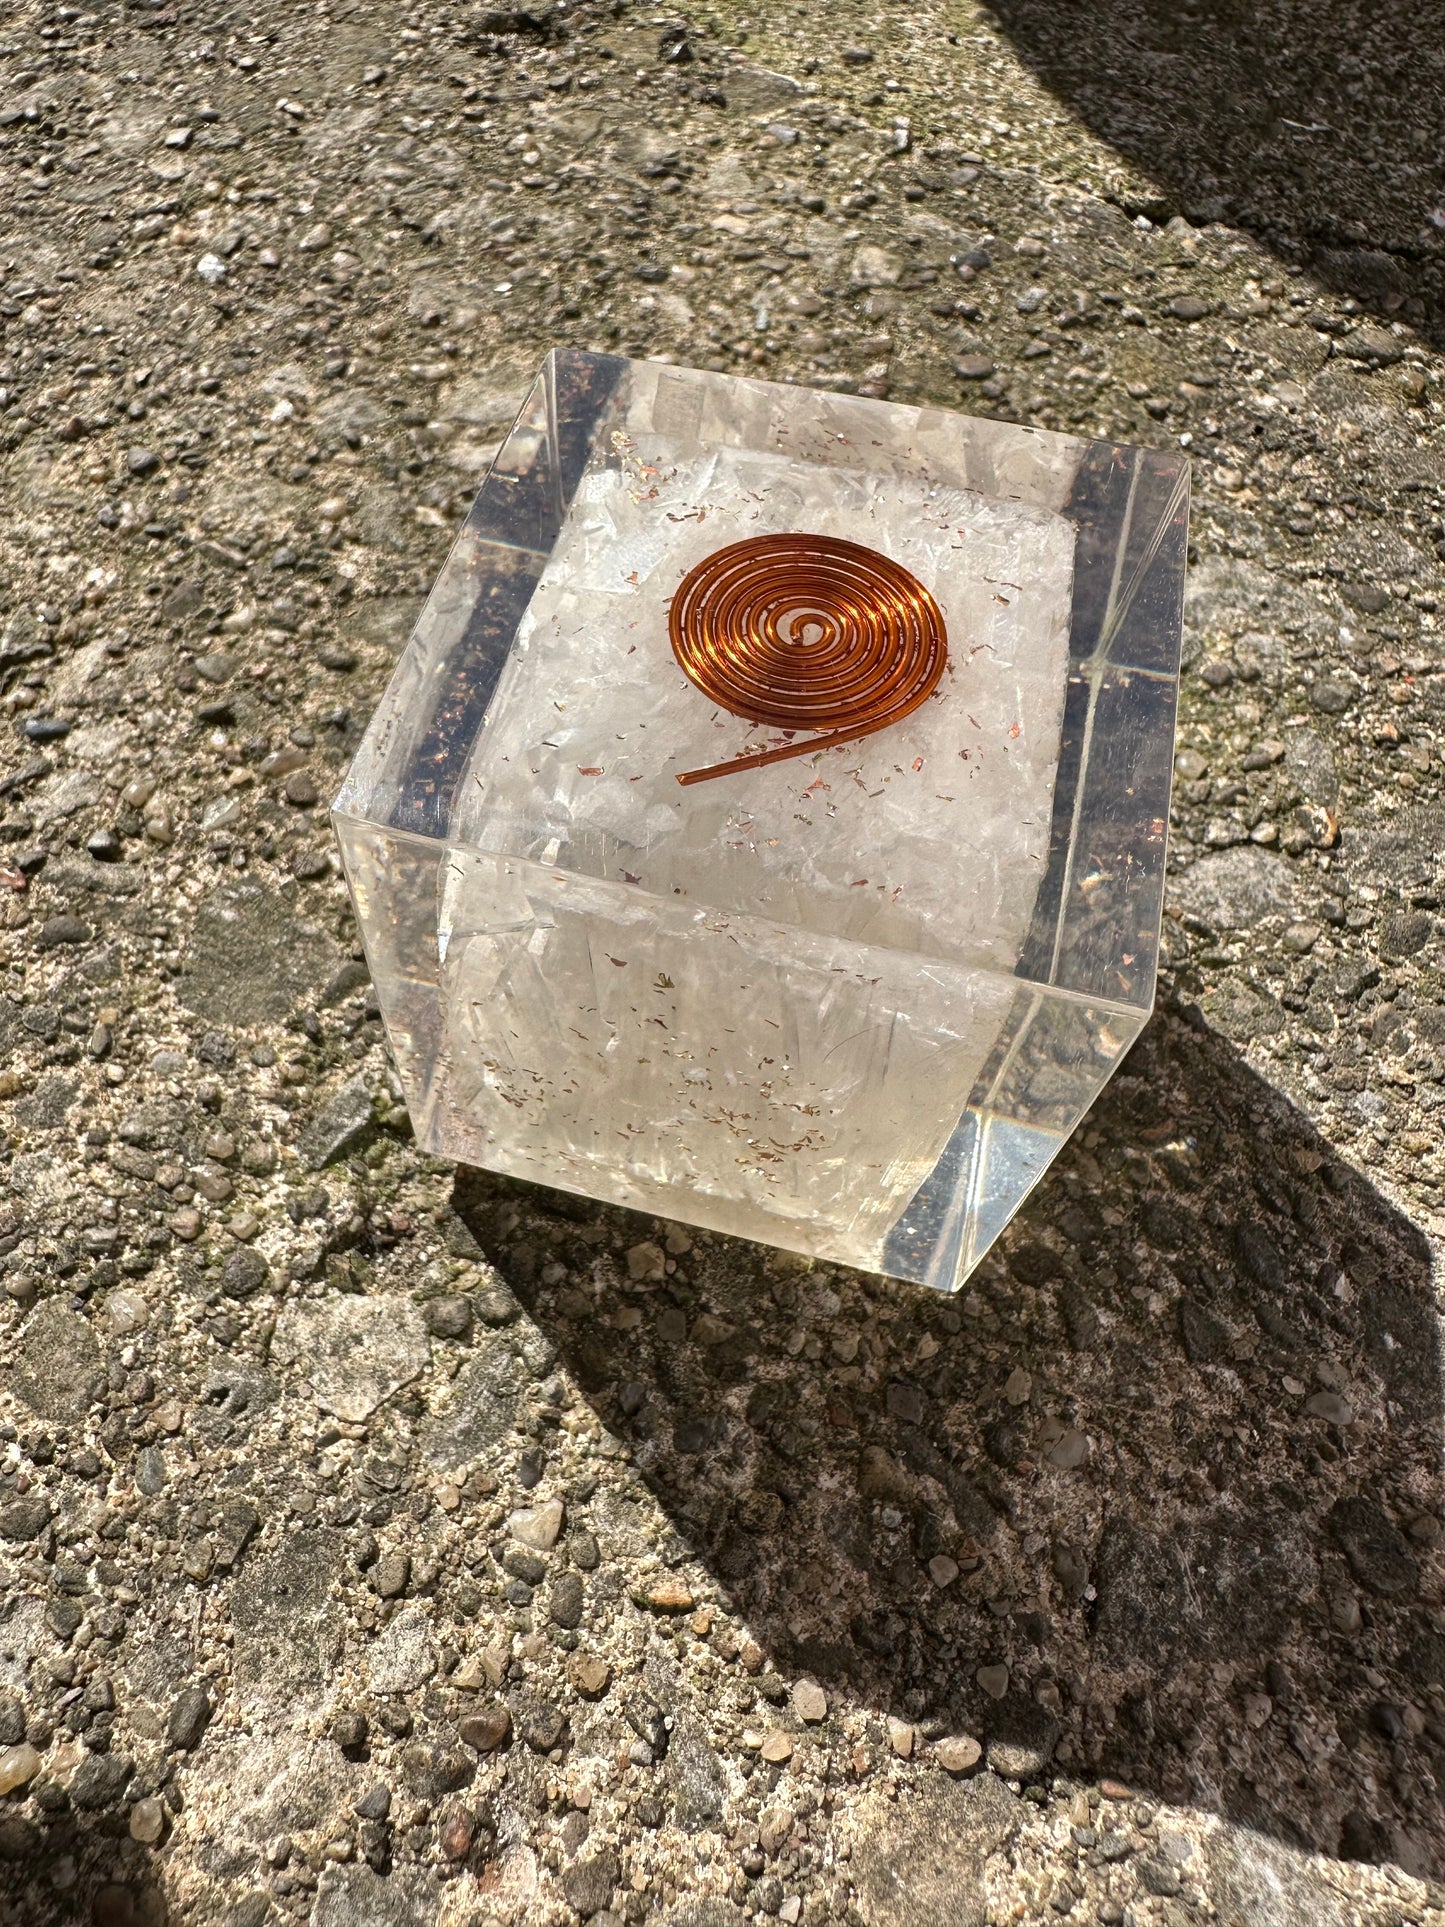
(383, 1544)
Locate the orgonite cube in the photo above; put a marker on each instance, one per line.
(851, 1002)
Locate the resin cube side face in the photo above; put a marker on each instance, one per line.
(852, 1004)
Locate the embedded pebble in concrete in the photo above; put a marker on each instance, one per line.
(355, 1351)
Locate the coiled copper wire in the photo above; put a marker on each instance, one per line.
(806, 632)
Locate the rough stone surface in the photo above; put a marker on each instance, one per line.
(589, 1882)
(922, 1864)
(355, 1351)
(402, 1659)
(338, 1125)
(360, 1897)
(252, 955)
(286, 1630)
(244, 1273)
(478, 1410)
(1222, 1628)
(57, 1363)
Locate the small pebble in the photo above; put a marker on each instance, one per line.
(668, 1594)
(18, 1766)
(957, 1754)
(349, 1731)
(147, 1820)
(1332, 1407)
(456, 1832)
(537, 1526)
(190, 1715)
(810, 1702)
(391, 1575)
(447, 1317)
(646, 1261)
(590, 1674)
(486, 1730)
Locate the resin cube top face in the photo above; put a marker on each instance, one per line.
(931, 835)
(850, 1002)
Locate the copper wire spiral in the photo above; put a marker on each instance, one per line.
(806, 632)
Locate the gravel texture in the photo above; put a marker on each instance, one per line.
(386, 1544)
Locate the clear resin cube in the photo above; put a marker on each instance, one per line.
(852, 1002)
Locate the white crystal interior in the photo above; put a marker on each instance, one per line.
(769, 994)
